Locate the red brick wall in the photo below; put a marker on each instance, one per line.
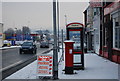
(116, 55)
(105, 51)
(119, 59)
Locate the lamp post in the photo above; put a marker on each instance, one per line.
(1, 34)
(58, 22)
(66, 23)
(55, 54)
(15, 35)
(102, 24)
(65, 19)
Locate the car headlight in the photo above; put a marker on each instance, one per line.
(21, 47)
(30, 47)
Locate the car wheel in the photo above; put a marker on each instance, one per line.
(32, 52)
(20, 52)
(35, 51)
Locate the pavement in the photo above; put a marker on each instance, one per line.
(96, 67)
(2, 48)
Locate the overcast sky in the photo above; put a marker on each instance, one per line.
(39, 15)
(0, 12)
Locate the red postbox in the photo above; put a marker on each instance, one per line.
(69, 57)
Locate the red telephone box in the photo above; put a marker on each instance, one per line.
(69, 57)
(75, 32)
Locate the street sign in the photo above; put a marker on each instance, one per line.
(45, 65)
(112, 7)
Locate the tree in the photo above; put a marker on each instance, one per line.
(47, 31)
(25, 30)
(19, 32)
(9, 32)
(40, 32)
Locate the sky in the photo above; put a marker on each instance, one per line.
(0, 11)
(39, 15)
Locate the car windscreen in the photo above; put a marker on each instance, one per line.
(27, 44)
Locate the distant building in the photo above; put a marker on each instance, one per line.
(1, 34)
(96, 29)
(88, 27)
(35, 36)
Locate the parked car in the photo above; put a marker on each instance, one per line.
(51, 41)
(6, 43)
(28, 47)
(44, 44)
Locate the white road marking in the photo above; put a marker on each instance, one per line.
(10, 66)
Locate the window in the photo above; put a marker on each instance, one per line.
(117, 23)
(117, 33)
(96, 11)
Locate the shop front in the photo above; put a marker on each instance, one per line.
(111, 48)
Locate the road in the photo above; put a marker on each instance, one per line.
(11, 56)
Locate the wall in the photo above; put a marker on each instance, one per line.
(96, 37)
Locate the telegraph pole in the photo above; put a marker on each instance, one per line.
(62, 45)
(65, 19)
(102, 25)
(58, 23)
(55, 54)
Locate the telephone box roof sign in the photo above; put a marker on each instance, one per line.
(75, 25)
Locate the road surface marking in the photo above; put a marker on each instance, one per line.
(10, 66)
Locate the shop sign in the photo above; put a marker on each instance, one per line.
(45, 65)
(112, 7)
(95, 3)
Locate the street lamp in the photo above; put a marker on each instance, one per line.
(58, 22)
(65, 19)
(1, 34)
(15, 35)
(55, 54)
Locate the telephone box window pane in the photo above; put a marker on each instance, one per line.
(77, 58)
(75, 36)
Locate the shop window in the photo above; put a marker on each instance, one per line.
(106, 36)
(117, 22)
(119, 36)
(117, 33)
(96, 11)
